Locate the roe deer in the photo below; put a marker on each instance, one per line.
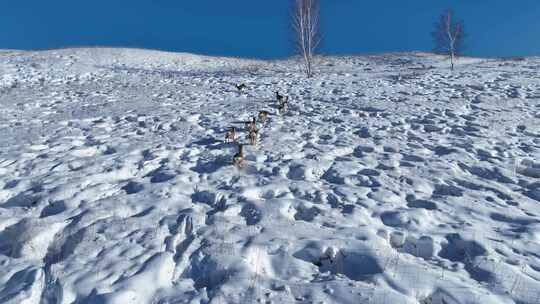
(251, 125)
(263, 116)
(252, 136)
(230, 135)
(238, 158)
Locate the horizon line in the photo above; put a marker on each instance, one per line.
(322, 54)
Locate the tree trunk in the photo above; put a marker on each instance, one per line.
(309, 71)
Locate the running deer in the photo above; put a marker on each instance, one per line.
(230, 135)
(279, 97)
(283, 105)
(263, 116)
(251, 125)
(238, 158)
(252, 136)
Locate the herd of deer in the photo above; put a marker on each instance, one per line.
(251, 126)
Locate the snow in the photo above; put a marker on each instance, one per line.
(390, 179)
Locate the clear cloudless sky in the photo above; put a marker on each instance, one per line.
(260, 28)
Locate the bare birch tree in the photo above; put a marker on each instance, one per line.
(306, 30)
(448, 36)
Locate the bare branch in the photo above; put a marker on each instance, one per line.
(448, 36)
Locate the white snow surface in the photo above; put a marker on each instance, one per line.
(390, 179)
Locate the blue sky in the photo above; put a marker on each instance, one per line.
(259, 28)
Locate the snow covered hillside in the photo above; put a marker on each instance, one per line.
(388, 180)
